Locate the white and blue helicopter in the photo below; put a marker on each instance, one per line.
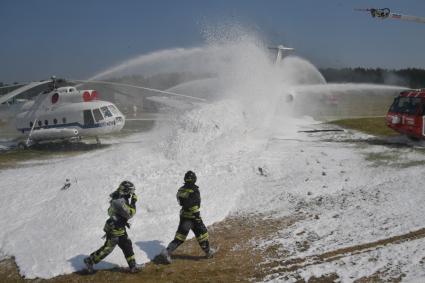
(65, 113)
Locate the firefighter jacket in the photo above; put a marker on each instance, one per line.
(189, 198)
(119, 211)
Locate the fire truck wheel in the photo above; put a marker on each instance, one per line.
(412, 138)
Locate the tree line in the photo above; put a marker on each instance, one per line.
(410, 77)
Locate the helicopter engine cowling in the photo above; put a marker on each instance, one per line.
(89, 95)
(60, 96)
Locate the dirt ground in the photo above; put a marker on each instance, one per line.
(282, 266)
(239, 259)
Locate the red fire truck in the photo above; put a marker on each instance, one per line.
(407, 114)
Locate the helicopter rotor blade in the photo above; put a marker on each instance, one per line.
(362, 9)
(407, 18)
(20, 90)
(14, 85)
(143, 88)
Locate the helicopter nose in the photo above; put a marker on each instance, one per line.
(119, 120)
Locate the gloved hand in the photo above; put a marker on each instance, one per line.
(134, 198)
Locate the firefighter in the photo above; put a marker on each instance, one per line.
(122, 208)
(189, 199)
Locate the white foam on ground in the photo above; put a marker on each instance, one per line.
(356, 201)
(62, 226)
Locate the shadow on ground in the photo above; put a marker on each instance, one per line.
(78, 263)
(151, 248)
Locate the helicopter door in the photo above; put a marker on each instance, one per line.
(88, 118)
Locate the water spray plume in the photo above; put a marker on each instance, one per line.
(235, 63)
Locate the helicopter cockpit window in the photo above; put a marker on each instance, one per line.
(97, 115)
(106, 112)
(113, 109)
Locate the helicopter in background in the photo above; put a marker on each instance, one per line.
(385, 13)
(325, 98)
(281, 51)
(65, 113)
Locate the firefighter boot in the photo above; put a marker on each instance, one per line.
(165, 256)
(133, 266)
(89, 264)
(166, 253)
(211, 252)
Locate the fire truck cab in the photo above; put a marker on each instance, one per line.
(406, 114)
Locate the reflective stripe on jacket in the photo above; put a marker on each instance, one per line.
(189, 198)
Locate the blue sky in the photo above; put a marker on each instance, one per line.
(76, 39)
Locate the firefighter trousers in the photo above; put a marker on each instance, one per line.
(198, 228)
(111, 242)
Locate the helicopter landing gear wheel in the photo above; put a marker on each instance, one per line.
(22, 146)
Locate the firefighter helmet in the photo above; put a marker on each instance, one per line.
(126, 188)
(190, 177)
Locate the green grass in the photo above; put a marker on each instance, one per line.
(381, 158)
(12, 158)
(393, 159)
(373, 126)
